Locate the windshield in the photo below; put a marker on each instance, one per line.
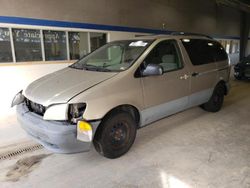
(115, 56)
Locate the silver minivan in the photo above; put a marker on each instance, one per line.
(106, 96)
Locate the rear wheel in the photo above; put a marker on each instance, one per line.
(115, 135)
(216, 101)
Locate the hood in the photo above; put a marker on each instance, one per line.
(61, 86)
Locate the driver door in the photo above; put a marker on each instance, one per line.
(168, 93)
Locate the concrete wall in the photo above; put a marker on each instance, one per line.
(189, 15)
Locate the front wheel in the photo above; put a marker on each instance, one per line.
(216, 101)
(115, 135)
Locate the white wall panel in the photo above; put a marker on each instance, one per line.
(16, 78)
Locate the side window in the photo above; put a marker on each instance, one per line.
(165, 54)
(219, 53)
(200, 51)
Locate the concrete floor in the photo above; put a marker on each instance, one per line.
(190, 149)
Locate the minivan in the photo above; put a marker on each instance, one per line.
(124, 85)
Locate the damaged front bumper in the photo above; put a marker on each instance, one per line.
(59, 137)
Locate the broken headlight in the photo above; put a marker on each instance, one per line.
(56, 112)
(76, 112)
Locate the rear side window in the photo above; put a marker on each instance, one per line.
(218, 52)
(202, 51)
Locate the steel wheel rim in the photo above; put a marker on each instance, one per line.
(119, 134)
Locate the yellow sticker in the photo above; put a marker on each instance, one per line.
(84, 126)
(84, 131)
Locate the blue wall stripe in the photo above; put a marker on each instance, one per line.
(55, 23)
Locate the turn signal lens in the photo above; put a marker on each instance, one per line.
(84, 126)
(84, 131)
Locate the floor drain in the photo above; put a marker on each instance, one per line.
(19, 151)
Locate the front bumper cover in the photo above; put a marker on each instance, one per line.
(59, 137)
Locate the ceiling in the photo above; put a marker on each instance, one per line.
(243, 5)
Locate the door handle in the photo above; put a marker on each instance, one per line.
(184, 77)
(194, 74)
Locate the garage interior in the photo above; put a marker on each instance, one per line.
(190, 149)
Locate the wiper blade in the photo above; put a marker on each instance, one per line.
(87, 66)
(96, 68)
(77, 67)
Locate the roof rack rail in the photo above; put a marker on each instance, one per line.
(188, 34)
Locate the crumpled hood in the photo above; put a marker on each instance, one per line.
(61, 86)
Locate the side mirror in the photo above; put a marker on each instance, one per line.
(152, 70)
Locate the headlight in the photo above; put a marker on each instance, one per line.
(56, 112)
(18, 99)
(76, 112)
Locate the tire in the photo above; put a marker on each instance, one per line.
(216, 101)
(115, 135)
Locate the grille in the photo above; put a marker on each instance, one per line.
(35, 107)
